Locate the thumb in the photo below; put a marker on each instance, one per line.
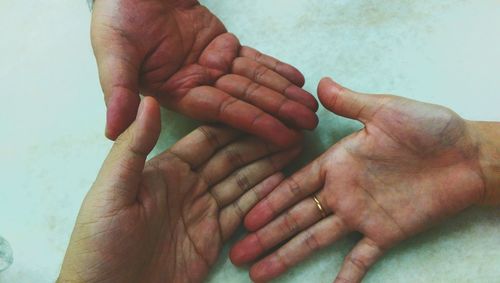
(122, 170)
(345, 102)
(119, 77)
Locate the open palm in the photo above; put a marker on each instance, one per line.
(166, 220)
(412, 165)
(179, 52)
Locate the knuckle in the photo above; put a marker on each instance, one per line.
(357, 262)
(234, 158)
(290, 223)
(312, 242)
(260, 115)
(210, 136)
(260, 72)
(238, 210)
(250, 90)
(225, 104)
(217, 198)
(255, 194)
(293, 187)
(242, 181)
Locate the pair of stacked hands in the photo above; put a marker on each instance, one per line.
(166, 219)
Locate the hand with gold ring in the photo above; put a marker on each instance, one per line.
(165, 220)
(412, 165)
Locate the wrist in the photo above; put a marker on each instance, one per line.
(487, 138)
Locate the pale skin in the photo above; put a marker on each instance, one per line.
(180, 53)
(165, 220)
(412, 165)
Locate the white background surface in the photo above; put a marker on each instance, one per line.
(52, 115)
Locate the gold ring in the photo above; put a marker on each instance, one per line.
(320, 207)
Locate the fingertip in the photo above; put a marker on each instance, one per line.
(110, 132)
(267, 269)
(327, 92)
(236, 255)
(255, 274)
(121, 112)
(312, 122)
(300, 79)
(313, 103)
(251, 222)
(327, 86)
(245, 250)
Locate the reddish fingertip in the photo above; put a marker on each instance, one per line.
(245, 250)
(266, 269)
(110, 132)
(121, 112)
(258, 217)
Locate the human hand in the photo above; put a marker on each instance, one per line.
(165, 220)
(180, 53)
(411, 166)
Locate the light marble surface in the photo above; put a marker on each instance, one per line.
(52, 116)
